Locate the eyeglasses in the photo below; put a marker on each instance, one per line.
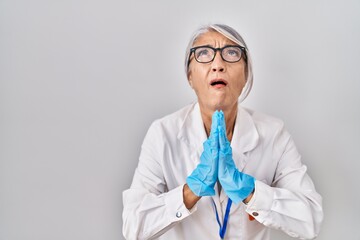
(206, 54)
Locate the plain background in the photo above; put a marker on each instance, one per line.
(81, 81)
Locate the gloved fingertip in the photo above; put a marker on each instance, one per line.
(221, 114)
(221, 119)
(214, 120)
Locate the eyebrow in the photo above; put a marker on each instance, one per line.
(227, 45)
(207, 45)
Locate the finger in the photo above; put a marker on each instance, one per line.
(214, 125)
(214, 134)
(222, 160)
(214, 122)
(223, 141)
(222, 122)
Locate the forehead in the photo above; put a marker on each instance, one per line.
(214, 39)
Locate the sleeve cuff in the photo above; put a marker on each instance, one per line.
(260, 204)
(175, 205)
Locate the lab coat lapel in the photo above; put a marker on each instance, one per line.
(245, 138)
(192, 132)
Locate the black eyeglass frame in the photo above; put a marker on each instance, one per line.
(243, 51)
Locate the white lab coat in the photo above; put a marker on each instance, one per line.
(284, 198)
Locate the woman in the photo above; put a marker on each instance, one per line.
(192, 183)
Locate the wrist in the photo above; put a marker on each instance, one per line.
(189, 198)
(248, 198)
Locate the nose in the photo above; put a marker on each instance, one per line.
(218, 64)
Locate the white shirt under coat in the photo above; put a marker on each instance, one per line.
(285, 197)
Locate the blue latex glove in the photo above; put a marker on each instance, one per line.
(237, 185)
(202, 180)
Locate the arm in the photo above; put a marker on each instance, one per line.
(190, 199)
(291, 203)
(149, 208)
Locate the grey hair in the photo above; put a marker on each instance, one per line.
(234, 36)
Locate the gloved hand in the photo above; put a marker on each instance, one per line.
(202, 180)
(237, 185)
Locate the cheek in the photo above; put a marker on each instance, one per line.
(238, 89)
(239, 72)
(197, 77)
(198, 70)
(241, 81)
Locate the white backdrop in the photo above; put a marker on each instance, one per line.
(81, 81)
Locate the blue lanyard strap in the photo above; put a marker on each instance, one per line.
(222, 230)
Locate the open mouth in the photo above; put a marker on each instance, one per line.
(218, 82)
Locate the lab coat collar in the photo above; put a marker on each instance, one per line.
(245, 137)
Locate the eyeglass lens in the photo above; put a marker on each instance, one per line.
(207, 54)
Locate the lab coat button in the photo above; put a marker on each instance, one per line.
(178, 214)
(255, 214)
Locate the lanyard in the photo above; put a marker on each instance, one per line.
(226, 217)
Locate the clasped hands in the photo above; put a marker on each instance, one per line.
(216, 163)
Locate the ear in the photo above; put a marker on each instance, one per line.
(191, 83)
(190, 80)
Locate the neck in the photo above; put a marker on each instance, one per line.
(230, 117)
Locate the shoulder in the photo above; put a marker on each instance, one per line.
(172, 122)
(265, 123)
(261, 117)
(270, 130)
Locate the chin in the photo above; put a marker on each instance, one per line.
(224, 105)
(220, 105)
